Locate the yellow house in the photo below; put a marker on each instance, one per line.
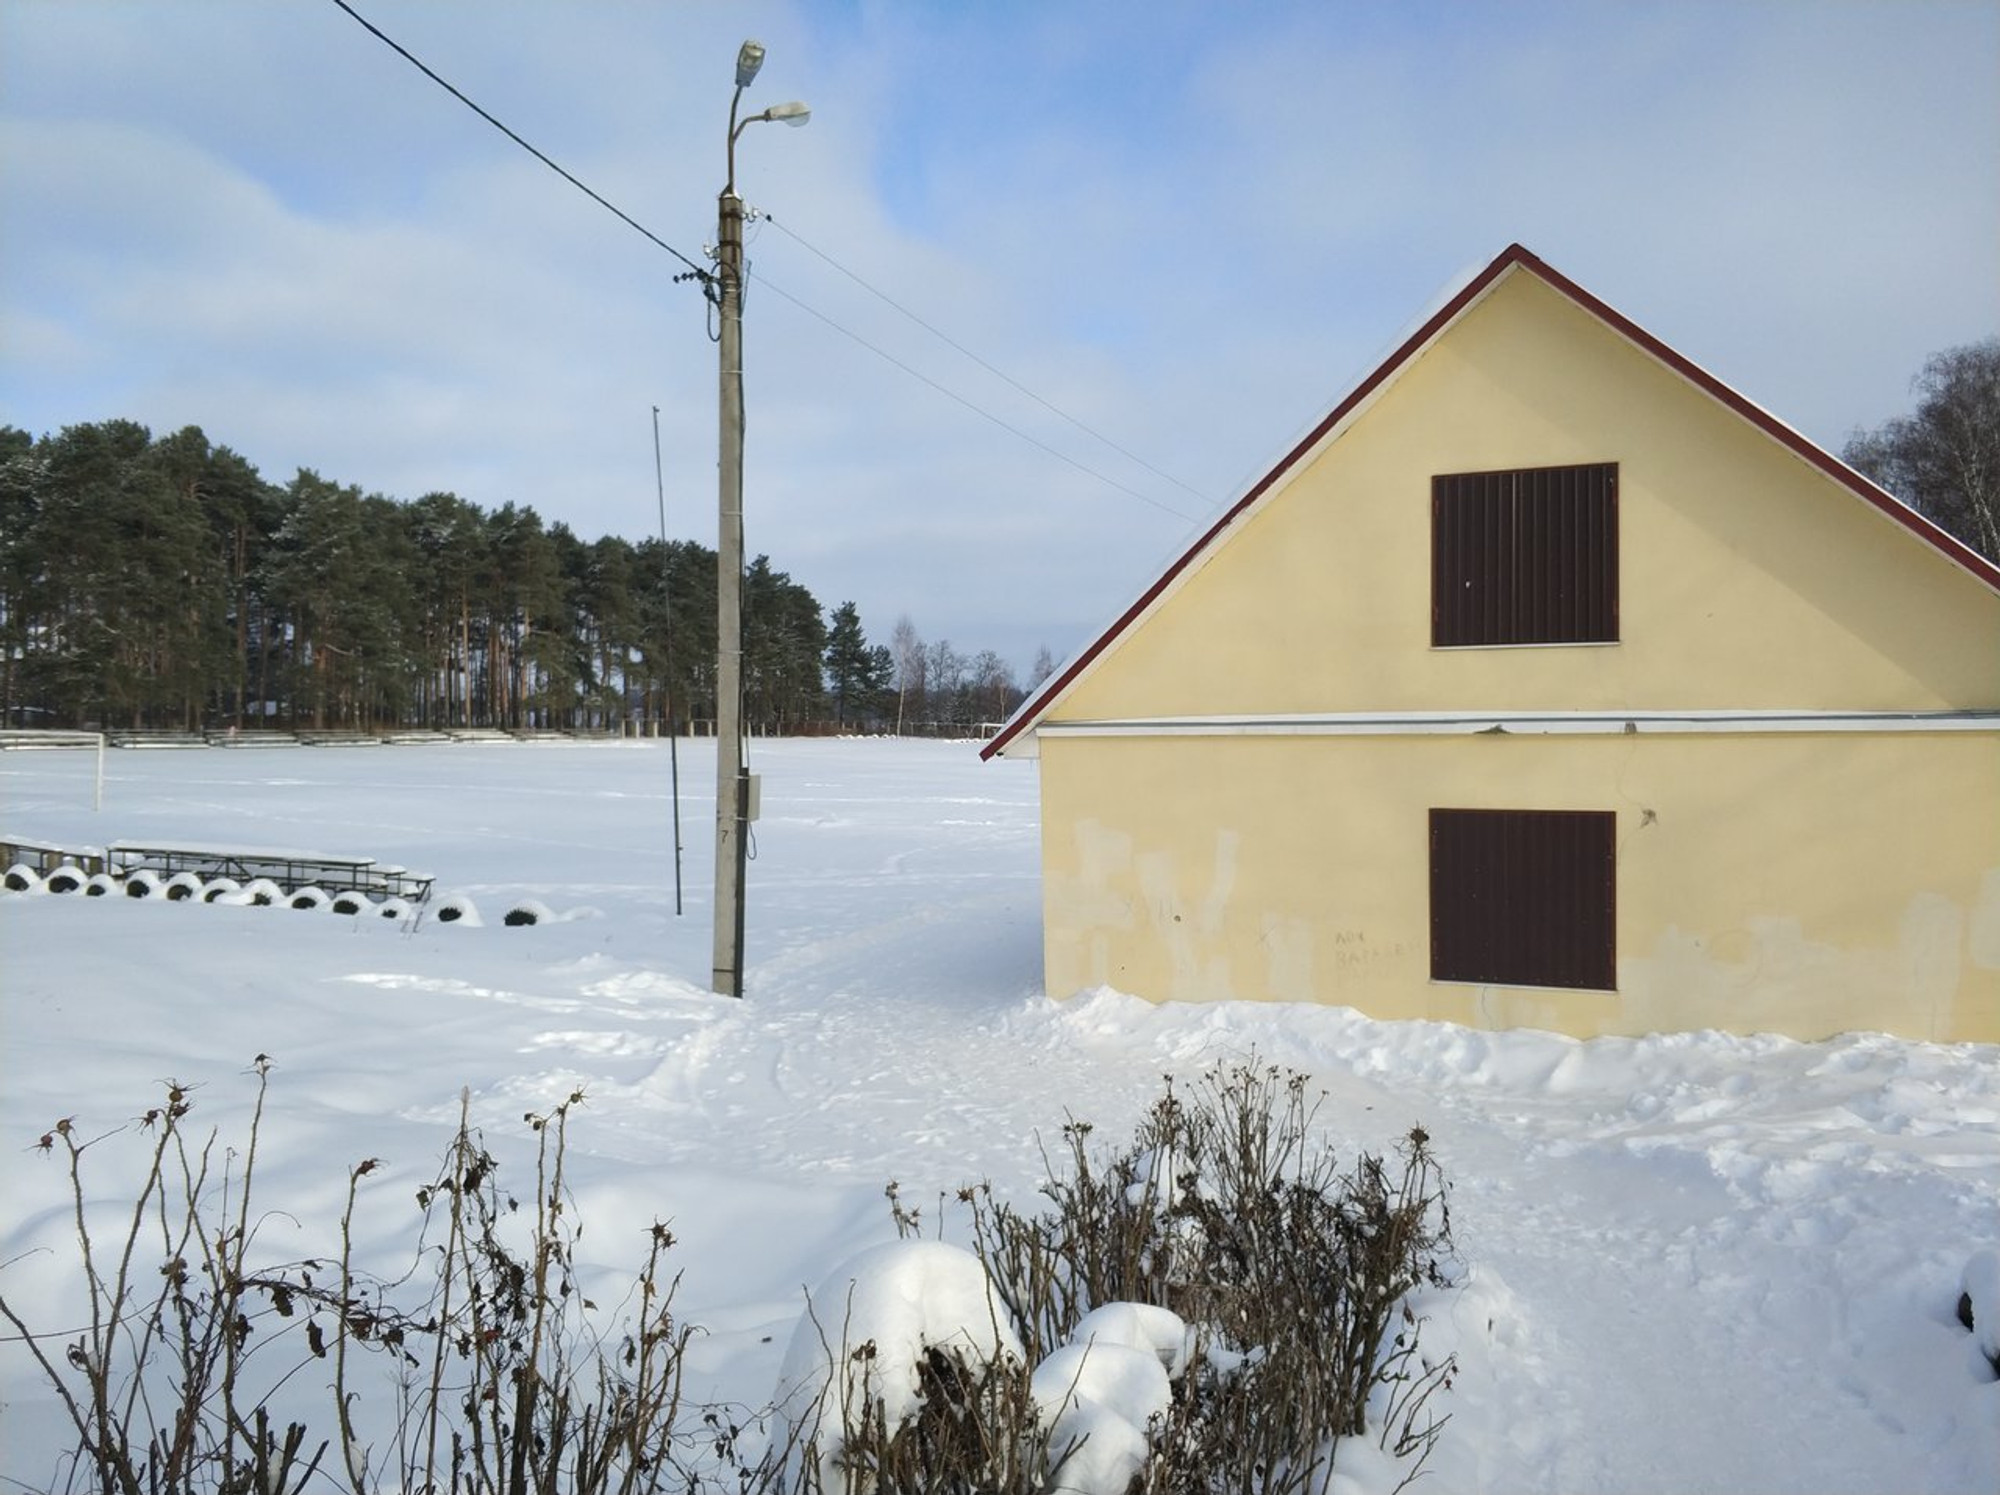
(1549, 683)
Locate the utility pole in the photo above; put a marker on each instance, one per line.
(730, 770)
(732, 774)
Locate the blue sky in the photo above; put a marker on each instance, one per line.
(1187, 227)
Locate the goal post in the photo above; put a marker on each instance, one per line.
(23, 739)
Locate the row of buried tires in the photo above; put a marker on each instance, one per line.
(188, 887)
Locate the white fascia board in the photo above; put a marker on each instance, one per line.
(1529, 723)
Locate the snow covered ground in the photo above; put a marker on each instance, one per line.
(1692, 1263)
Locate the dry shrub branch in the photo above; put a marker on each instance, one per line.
(197, 1366)
(482, 1368)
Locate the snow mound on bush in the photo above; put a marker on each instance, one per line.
(183, 886)
(222, 889)
(459, 909)
(904, 1298)
(261, 892)
(393, 908)
(66, 879)
(1096, 1400)
(141, 884)
(1139, 1326)
(528, 911)
(100, 884)
(351, 903)
(21, 878)
(1098, 1394)
(310, 899)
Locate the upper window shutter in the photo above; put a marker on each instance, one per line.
(1525, 557)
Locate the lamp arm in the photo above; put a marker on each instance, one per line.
(735, 129)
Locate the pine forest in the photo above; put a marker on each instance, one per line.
(161, 583)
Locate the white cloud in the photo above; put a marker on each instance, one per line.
(1189, 229)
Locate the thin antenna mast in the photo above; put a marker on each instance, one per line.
(666, 592)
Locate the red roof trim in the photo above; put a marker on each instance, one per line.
(1511, 257)
(1814, 456)
(1055, 686)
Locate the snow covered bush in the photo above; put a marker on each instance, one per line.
(66, 879)
(1102, 1395)
(261, 892)
(220, 889)
(310, 899)
(906, 1367)
(906, 1373)
(22, 878)
(393, 908)
(528, 911)
(1269, 1287)
(142, 883)
(100, 884)
(351, 903)
(458, 909)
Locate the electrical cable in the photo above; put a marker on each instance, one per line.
(1013, 430)
(1000, 374)
(707, 279)
(596, 197)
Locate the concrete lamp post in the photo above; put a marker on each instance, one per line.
(732, 776)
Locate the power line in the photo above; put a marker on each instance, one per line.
(705, 276)
(979, 410)
(596, 197)
(1000, 374)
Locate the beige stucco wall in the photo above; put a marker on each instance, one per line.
(1796, 884)
(1748, 579)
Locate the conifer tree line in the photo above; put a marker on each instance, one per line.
(163, 583)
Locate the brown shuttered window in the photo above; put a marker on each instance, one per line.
(1525, 557)
(1524, 898)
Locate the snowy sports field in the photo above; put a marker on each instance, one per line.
(1690, 1263)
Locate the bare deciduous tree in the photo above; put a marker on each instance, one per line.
(945, 667)
(1944, 459)
(993, 680)
(906, 650)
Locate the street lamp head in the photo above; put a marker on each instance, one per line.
(794, 113)
(749, 57)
